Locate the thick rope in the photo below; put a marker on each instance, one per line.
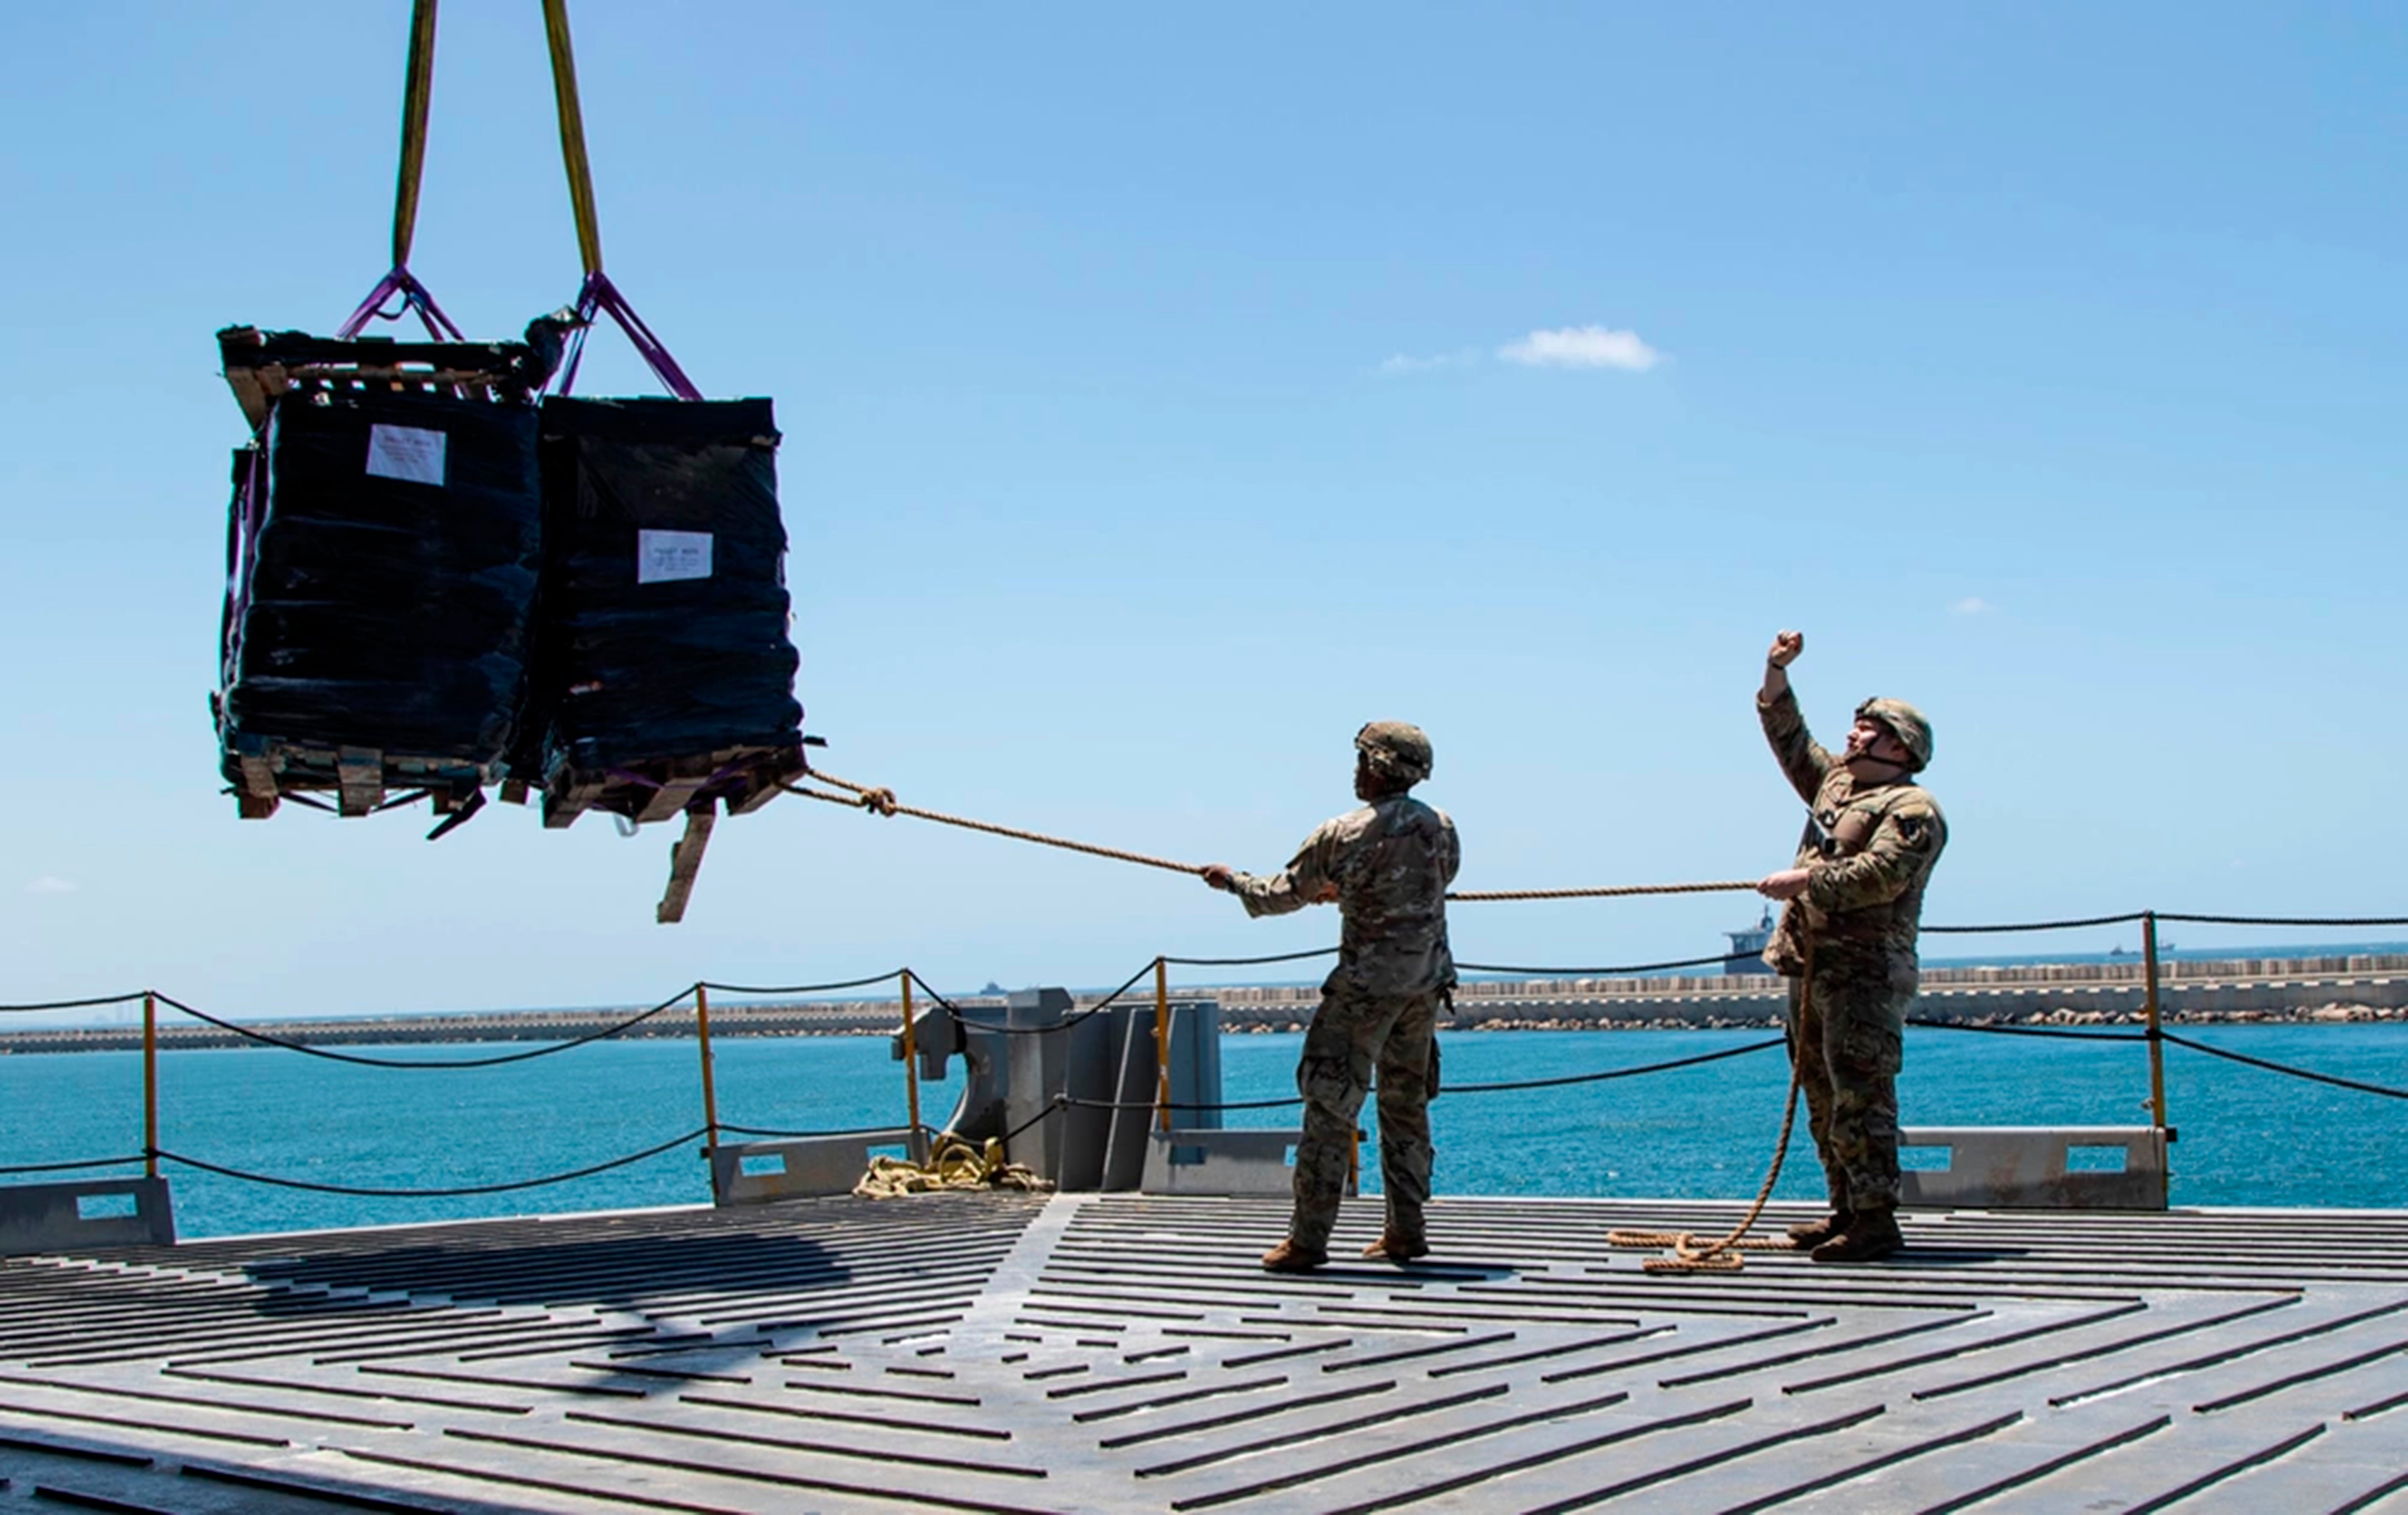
(954, 1165)
(1618, 971)
(1611, 892)
(1688, 1255)
(883, 801)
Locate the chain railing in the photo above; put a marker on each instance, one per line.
(1162, 1105)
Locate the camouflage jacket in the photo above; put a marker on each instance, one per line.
(1388, 865)
(1869, 848)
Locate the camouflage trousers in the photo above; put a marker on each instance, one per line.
(1846, 1036)
(1353, 1036)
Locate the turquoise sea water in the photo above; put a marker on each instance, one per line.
(2246, 1136)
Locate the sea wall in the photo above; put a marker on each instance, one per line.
(2359, 986)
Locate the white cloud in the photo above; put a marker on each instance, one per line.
(1581, 347)
(1973, 605)
(50, 884)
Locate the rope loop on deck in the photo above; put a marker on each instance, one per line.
(1689, 1255)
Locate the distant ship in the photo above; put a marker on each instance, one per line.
(1747, 947)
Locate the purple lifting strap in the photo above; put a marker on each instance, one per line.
(600, 294)
(401, 281)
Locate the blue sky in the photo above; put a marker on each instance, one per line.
(1166, 392)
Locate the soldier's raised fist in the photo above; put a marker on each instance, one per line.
(1786, 646)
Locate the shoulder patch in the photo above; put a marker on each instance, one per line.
(1913, 828)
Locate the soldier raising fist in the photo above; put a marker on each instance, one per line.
(1846, 943)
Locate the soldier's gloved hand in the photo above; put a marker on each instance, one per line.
(1789, 884)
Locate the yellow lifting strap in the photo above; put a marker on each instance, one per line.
(572, 134)
(414, 97)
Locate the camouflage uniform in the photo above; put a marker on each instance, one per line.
(1390, 863)
(1869, 847)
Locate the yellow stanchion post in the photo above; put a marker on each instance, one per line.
(709, 1095)
(1162, 1043)
(912, 1066)
(149, 1084)
(2157, 1045)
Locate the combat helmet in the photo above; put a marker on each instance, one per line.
(1396, 750)
(1906, 723)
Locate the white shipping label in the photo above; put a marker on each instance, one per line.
(664, 555)
(411, 454)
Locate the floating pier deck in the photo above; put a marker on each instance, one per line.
(1024, 1353)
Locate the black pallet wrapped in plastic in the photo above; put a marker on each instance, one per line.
(385, 551)
(665, 679)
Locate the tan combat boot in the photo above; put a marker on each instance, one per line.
(1871, 1234)
(1288, 1257)
(1392, 1247)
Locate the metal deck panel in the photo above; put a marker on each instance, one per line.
(1003, 1352)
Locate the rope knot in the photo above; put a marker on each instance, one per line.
(881, 800)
